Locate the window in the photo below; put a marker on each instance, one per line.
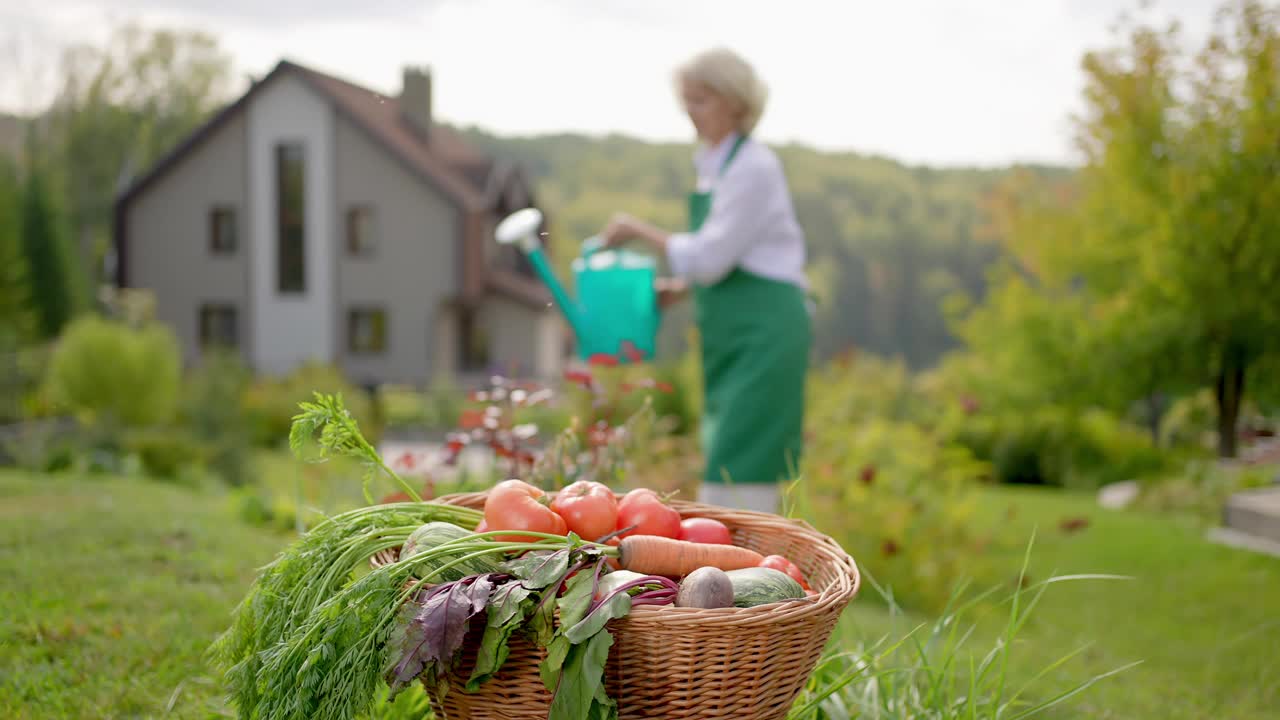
(367, 330)
(291, 260)
(223, 236)
(362, 236)
(218, 326)
(473, 341)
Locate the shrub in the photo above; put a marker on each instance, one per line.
(271, 403)
(1057, 446)
(887, 490)
(1191, 421)
(166, 453)
(1201, 488)
(211, 408)
(108, 372)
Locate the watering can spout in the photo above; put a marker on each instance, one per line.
(521, 229)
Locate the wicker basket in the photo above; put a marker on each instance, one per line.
(681, 663)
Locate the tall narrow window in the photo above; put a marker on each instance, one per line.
(222, 231)
(291, 256)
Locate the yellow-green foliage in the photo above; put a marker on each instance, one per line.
(271, 403)
(108, 372)
(899, 501)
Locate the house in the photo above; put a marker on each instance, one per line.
(316, 220)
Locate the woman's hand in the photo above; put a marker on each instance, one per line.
(670, 291)
(623, 228)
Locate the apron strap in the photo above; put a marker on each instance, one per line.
(733, 152)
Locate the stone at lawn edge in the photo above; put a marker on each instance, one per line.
(1118, 496)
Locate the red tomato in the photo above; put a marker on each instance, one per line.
(777, 562)
(705, 530)
(483, 526)
(517, 505)
(643, 508)
(588, 508)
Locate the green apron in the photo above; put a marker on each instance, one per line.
(755, 338)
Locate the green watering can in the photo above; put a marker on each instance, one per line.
(616, 313)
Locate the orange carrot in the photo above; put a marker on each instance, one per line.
(657, 555)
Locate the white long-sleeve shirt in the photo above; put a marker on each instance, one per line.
(751, 223)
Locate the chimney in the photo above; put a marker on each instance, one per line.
(415, 98)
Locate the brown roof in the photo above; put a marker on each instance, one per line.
(442, 158)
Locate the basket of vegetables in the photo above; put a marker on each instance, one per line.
(517, 604)
(683, 610)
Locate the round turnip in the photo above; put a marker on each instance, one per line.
(706, 587)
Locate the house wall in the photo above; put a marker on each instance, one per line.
(167, 229)
(522, 339)
(289, 329)
(412, 269)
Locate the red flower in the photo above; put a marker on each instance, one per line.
(471, 419)
(406, 460)
(581, 377)
(868, 474)
(1074, 524)
(603, 359)
(889, 548)
(632, 352)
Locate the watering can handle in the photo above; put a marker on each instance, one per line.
(591, 245)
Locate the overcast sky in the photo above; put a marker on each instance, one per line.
(933, 81)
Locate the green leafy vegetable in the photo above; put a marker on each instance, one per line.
(508, 609)
(429, 641)
(581, 682)
(328, 422)
(538, 570)
(304, 575)
(435, 534)
(574, 667)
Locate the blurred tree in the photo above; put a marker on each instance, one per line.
(14, 294)
(50, 282)
(120, 107)
(1160, 272)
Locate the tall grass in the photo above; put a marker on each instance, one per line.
(936, 670)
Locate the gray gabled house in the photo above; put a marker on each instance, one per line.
(316, 220)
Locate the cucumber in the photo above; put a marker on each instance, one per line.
(761, 586)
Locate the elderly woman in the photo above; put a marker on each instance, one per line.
(742, 256)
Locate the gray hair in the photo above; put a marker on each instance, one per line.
(725, 72)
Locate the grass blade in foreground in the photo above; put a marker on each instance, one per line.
(917, 677)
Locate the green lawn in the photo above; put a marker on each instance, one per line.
(1203, 619)
(112, 590)
(114, 587)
